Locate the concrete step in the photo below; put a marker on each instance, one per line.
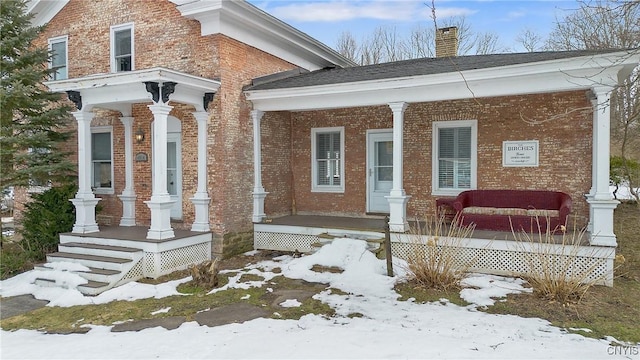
(100, 250)
(93, 287)
(91, 261)
(94, 274)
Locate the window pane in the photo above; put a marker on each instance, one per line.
(102, 174)
(328, 158)
(454, 158)
(59, 56)
(122, 40)
(101, 146)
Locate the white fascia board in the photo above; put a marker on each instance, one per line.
(544, 77)
(138, 76)
(244, 22)
(128, 87)
(44, 10)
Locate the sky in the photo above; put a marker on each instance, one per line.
(387, 328)
(325, 20)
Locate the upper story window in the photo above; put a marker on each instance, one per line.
(122, 54)
(101, 155)
(327, 166)
(455, 149)
(58, 49)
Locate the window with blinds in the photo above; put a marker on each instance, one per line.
(328, 149)
(454, 156)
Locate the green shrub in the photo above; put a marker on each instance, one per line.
(13, 260)
(49, 214)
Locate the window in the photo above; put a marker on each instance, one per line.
(122, 48)
(327, 166)
(454, 156)
(101, 155)
(58, 49)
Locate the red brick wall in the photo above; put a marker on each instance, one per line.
(565, 149)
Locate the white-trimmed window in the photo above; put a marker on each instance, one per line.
(58, 49)
(101, 159)
(327, 159)
(455, 153)
(122, 48)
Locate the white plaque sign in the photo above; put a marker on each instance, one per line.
(520, 153)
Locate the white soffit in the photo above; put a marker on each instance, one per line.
(44, 10)
(246, 23)
(542, 77)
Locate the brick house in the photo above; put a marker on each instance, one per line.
(258, 123)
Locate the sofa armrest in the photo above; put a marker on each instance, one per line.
(565, 208)
(462, 201)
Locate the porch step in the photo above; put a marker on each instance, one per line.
(94, 274)
(96, 261)
(374, 245)
(99, 250)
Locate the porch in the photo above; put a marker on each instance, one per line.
(492, 252)
(117, 255)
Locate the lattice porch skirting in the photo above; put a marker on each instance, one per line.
(497, 257)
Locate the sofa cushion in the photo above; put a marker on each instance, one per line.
(510, 211)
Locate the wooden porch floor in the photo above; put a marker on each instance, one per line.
(133, 233)
(377, 224)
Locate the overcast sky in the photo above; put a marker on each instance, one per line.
(326, 19)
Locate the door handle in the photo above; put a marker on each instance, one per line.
(171, 183)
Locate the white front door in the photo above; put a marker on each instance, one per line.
(174, 173)
(379, 169)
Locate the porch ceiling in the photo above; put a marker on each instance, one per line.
(119, 90)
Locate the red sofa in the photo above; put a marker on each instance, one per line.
(520, 210)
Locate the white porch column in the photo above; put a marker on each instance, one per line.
(160, 203)
(397, 197)
(128, 196)
(85, 201)
(258, 191)
(201, 198)
(601, 203)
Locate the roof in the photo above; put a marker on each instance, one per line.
(417, 67)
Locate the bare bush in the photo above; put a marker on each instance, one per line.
(435, 261)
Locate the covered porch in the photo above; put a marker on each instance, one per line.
(120, 92)
(143, 241)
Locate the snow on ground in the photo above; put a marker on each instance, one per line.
(386, 329)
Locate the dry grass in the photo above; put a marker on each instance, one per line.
(435, 262)
(553, 269)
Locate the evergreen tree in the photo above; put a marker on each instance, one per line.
(33, 120)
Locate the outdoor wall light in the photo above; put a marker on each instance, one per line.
(139, 136)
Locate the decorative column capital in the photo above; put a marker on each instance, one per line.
(126, 120)
(398, 107)
(201, 116)
(83, 116)
(160, 109)
(256, 115)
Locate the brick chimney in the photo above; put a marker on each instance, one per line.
(447, 42)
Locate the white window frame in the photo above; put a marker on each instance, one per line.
(435, 163)
(113, 30)
(315, 187)
(102, 190)
(56, 40)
